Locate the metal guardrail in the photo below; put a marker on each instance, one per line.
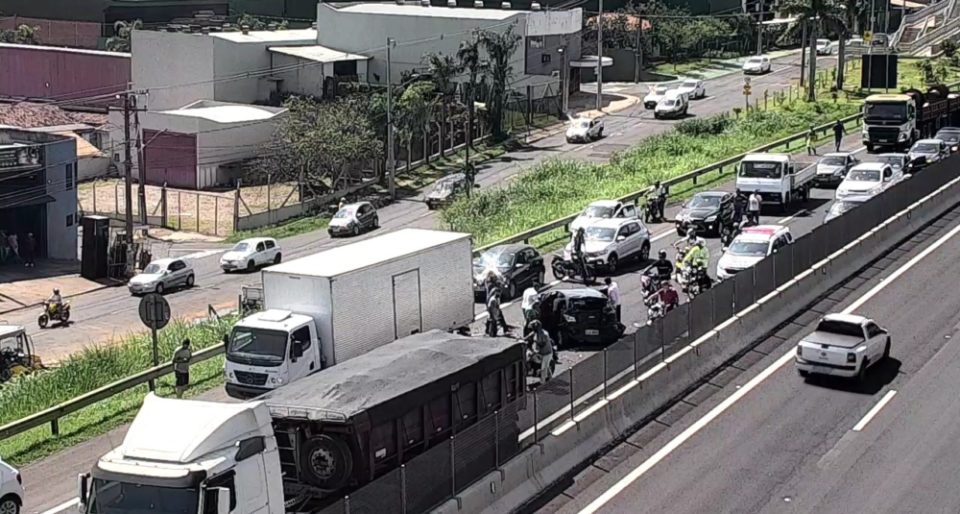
(53, 414)
(692, 176)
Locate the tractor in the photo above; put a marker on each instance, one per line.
(16, 353)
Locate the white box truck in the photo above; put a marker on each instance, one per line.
(331, 306)
(777, 177)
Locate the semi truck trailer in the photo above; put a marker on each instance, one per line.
(302, 446)
(898, 120)
(326, 308)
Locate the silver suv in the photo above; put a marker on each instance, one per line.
(609, 242)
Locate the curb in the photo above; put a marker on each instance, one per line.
(66, 297)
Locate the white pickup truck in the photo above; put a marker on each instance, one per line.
(776, 176)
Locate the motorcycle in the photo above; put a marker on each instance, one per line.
(563, 269)
(693, 281)
(651, 209)
(655, 309)
(52, 313)
(649, 283)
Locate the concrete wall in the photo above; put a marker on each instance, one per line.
(231, 59)
(59, 157)
(76, 34)
(219, 144)
(172, 58)
(537, 47)
(62, 73)
(308, 76)
(92, 167)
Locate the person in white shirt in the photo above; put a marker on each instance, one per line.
(613, 293)
(529, 295)
(753, 208)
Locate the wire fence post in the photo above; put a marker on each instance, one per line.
(604, 373)
(570, 373)
(216, 215)
(163, 206)
(536, 419)
(636, 351)
(116, 197)
(496, 438)
(94, 196)
(403, 489)
(453, 467)
(346, 504)
(196, 198)
(179, 211)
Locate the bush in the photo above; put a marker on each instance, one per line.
(711, 126)
(948, 47)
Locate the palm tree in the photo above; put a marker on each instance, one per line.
(443, 70)
(123, 30)
(811, 14)
(500, 46)
(853, 9)
(469, 57)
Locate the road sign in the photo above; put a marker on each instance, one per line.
(746, 81)
(867, 36)
(746, 90)
(154, 311)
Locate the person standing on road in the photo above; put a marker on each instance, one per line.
(812, 141)
(29, 250)
(527, 306)
(495, 315)
(14, 246)
(613, 293)
(661, 191)
(181, 367)
(753, 208)
(838, 132)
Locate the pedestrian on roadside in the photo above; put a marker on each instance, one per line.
(495, 316)
(181, 367)
(613, 293)
(739, 207)
(661, 192)
(29, 251)
(838, 132)
(753, 208)
(812, 141)
(343, 202)
(528, 304)
(14, 246)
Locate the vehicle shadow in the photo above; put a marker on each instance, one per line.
(878, 376)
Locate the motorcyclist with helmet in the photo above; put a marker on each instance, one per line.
(697, 260)
(666, 296)
(578, 254)
(662, 267)
(542, 350)
(55, 302)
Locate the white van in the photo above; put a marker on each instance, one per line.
(674, 104)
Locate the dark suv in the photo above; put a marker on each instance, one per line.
(708, 212)
(579, 316)
(520, 265)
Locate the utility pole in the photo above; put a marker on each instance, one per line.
(638, 65)
(600, 58)
(759, 36)
(564, 78)
(391, 164)
(142, 172)
(127, 178)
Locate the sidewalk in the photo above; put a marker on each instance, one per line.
(722, 67)
(22, 287)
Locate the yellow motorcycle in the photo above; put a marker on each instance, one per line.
(53, 313)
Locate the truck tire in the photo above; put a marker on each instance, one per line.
(869, 147)
(327, 462)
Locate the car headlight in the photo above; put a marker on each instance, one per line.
(276, 380)
(569, 319)
(229, 374)
(902, 137)
(711, 219)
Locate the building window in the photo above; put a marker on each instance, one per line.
(536, 41)
(69, 220)
(68, 177)
(545, 58)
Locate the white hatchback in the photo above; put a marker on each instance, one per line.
(750, 247)
(252, 253)
(11, 489)
(757, 64)
(866, 180)
(694, 88)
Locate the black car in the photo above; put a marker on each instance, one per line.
(446, 190)
(574, 316)
(707, 212)
(950, 136)
(520, 265)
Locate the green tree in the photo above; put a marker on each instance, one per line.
(322, 142)
(444, 70)
(22, 35)
(949, 47)
(414, 111)
(813, 14)
(256, 23)
(500, 46)
(469, 57)
(122, 32)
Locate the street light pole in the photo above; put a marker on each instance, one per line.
(600, 58)
(391, 164)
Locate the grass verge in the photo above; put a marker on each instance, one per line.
(286, 229)
(558, 188)
(90, 369)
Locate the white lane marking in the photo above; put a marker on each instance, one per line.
(63, 506)
(661, 236)
(675, 443)
(200, 255)
(874, 411)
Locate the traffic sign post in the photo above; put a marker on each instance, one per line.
(746, 91)
(155, 314)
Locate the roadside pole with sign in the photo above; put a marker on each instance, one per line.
(746, 92)
(155, 314)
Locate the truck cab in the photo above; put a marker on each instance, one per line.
(268, 349)
(215, 458)
(776, 177)
(889, 120)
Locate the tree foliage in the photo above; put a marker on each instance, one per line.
(22, 35)
(256, 23)
(122, 32)
(818, 16)
(500, 47)
(323, 140)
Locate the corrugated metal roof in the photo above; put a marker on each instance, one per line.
(317, 53)
(268, 36)
(431, 12)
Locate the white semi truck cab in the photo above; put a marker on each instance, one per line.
(182, 456)
(776, 177)
(332, 306)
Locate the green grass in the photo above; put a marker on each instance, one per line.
(558, 188)
(90, 369)
(286, 229)
(909, 75)
(690, 67)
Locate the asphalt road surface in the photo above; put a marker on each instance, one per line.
(759, 438)
(101, 315)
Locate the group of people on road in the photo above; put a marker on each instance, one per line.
(838, 132)
(13, 250)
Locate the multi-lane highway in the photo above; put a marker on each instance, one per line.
(100, 315)
(758, 438)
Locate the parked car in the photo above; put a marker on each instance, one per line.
(11, 489)
(520, 266)
(855, 41)
(750, 247)
(879, 40)
(832, 167)
(866, 180)
(654, 96)
(844, 345)
(250, 254)
(161, 275)
(932, 150)
(900, 162)
(609, 242)
(584, 130)
(708, 212)
(603, 209)
(841, 207)
(693, 88)
(673, 105)
(825, 47)
(950, 136)
(757, 64)
(353, 219)
(446, 190)
(574, 316)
